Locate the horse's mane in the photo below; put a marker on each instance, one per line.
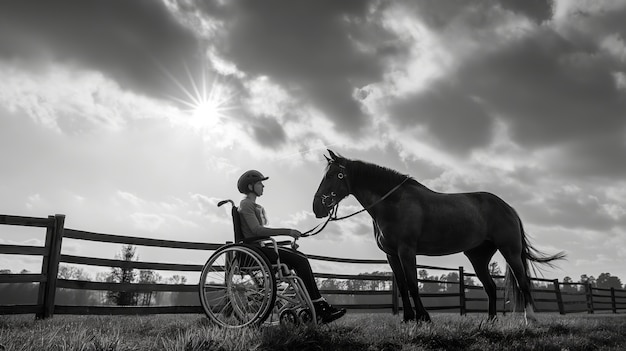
(369, 174)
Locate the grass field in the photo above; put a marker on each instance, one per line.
(353, 332)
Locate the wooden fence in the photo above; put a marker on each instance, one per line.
(458, 297)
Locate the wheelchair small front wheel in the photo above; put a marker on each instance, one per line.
(288, 317)
(305, 316)
(237, 286)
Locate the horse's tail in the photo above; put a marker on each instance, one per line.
(531, 258)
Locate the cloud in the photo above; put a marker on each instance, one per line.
(556, 92)
(574, 207)
(34, 200)
(310, 48)
(547, 89)
(122, 39)
(133, 199)
(538, 10)
(74, 101)
(455, 120)
(147, 221)
(269, 132)
(205, 204)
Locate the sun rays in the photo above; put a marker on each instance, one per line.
(206, 100)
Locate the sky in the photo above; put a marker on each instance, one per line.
(136, 117)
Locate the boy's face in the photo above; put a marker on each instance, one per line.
(258, 188)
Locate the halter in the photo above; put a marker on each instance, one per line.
(332, 216)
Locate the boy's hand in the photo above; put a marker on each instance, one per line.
(295, 233)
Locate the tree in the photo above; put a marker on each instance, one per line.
(494, 269)
(607, 281)
(446, 279)
(426, 285)
(468, 281)
(123, 274)
(177, 279)
(354, 284)
(149, 277)
(584, 279)
(331, 284)
(72, 273)
(568, 285)
(378, 284)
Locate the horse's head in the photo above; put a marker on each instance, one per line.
(333, 188)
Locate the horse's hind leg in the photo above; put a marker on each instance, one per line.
(480, 257)
(516, 264)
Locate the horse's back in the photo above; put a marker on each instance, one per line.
(456, 222)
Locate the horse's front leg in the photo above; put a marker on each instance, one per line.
(408, 261)
(398, 273)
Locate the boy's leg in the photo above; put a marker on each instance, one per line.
(300, 263)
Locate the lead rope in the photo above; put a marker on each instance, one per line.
(317, 229)
(332, 216)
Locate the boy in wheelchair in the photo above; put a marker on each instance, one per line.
(253, 224)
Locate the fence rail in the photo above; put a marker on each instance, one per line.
(458, 296)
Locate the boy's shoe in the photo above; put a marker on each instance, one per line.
(326, 313)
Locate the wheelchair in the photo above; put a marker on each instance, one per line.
(240, 287)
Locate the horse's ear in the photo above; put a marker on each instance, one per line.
(332, 154)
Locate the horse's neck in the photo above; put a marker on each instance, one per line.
(368, 193)
(368, 196)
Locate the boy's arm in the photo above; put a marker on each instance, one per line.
(247, 214)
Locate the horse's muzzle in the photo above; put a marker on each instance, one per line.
(319, 208)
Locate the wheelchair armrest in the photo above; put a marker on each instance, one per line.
(267, 241)
(256, 240)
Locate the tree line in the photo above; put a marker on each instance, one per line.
(448, 282)
(15, 291)
(428, 283)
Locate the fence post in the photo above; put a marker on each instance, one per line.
(462, 308)
(613, 304)
(54, 238)
(44, 267)
(395, 306)
(559, 297)
(589, 293)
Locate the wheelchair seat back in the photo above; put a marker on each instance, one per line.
(237, 224)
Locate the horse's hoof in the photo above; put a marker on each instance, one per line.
(425, 319)
(408, 318)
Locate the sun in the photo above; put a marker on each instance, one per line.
(209, 109)
(206, 99)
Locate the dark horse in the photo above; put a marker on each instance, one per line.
(410, 220)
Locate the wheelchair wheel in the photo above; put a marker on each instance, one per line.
(237, 286)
